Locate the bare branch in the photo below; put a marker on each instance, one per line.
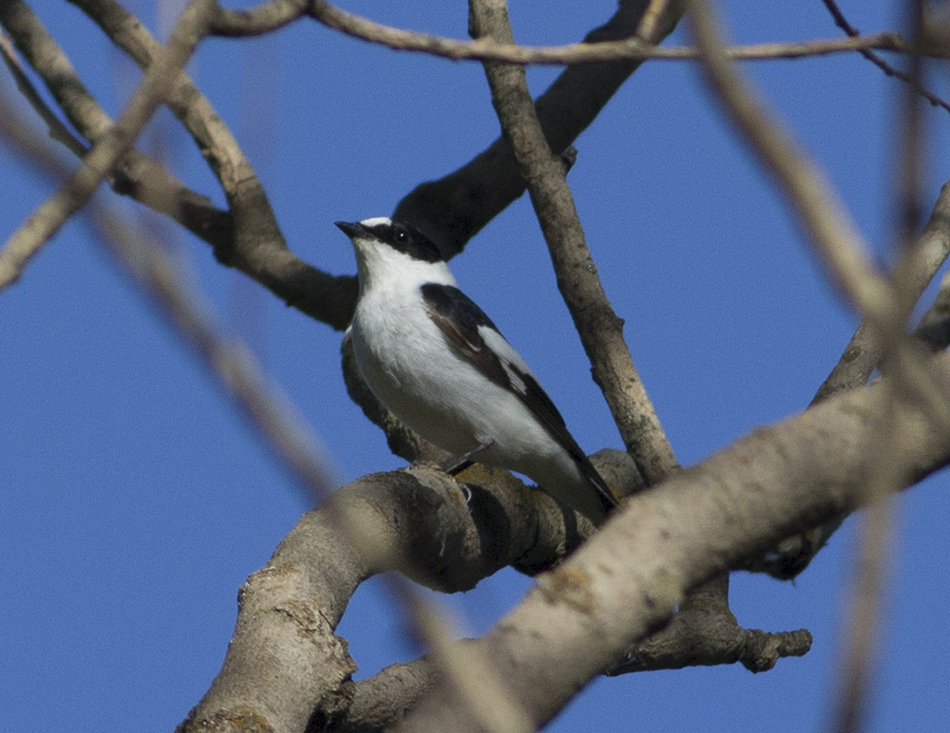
(875, 59)
(420, 524)
(53, 213)
(694, 637)
(266, 17)
(58, 131)
(453, 209)
(914, 272)
(634, 48)
(135, 174)
(256, 246)
(288, 435)
(701, 634)
(600, 329)
(884, 307)
(625, 581)
(884, 304)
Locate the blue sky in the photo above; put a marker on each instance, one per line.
(135, 501)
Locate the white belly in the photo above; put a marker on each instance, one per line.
(419, 376)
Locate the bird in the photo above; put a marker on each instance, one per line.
(440, 365)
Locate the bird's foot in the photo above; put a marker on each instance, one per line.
(455, 465)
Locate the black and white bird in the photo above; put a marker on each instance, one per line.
(438, 363)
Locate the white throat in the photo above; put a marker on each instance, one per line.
(383, 268)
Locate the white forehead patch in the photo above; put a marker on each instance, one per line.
(376, 221)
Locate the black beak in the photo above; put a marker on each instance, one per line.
(351, 229)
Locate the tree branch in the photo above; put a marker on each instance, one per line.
(57, 130)
(265, 17)
(580, 618)
(485, 49)
(875, 59)
(884, 303)
(625, 581)
(256, 246)
(453, 209)
(154, 88)
(914, 272)
(135, 174)
(600, 329)
(417, 522)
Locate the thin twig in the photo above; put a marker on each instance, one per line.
(875, 59)
(484, 49)
(58, 131)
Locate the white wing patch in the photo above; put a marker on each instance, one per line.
(507, 356)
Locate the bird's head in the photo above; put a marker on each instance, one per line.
(391, 252)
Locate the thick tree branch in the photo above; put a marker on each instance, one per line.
(289, 437)
(626, 580)
(417, 522)
(692, 638)
(704, 634)
(587, 613)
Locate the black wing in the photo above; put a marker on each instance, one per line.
(460, 318)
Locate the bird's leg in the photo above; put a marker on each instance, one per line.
(457, 464)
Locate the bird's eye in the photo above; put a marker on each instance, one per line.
(401, 236)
